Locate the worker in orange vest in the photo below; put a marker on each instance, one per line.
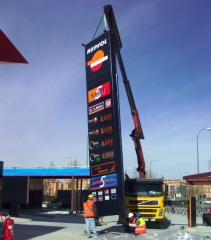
(136, 223)
(90, 213)
(140, 224)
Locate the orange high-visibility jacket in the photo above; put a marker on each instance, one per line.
(89, 209)
(140, 229)
(141, 226)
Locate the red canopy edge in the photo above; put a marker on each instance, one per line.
(8, 52)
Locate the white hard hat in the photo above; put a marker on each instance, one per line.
(130, 215)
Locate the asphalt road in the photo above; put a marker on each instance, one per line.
(61, 225)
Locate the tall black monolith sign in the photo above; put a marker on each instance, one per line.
(104, 129)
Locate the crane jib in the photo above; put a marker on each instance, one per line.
(137, 133)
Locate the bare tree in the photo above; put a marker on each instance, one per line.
(76, 162)
(135, 174)
(52, 164)
(49, 183)
(73, 163)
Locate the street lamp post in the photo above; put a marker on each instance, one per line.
(198, 147)
(150, 166)
(181, 184)
(180, 175)
(189, 189)
(69, 158)
(198, 155)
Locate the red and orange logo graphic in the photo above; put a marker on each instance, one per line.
(99, 92)
(97, 61)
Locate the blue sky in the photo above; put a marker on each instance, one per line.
(167, 56)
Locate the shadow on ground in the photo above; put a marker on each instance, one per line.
(57, 217)
(21, 232)
(153, 225)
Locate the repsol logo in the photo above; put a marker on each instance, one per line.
(100, 44)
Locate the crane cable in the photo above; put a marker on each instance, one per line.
(105, 22)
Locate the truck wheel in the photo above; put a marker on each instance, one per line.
(161, 225)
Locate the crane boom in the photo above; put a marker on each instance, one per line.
(137, 132)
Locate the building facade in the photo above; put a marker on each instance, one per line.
(178, 188)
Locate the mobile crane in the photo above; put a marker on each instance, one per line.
(141, 195)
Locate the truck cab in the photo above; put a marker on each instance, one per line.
(146, 196)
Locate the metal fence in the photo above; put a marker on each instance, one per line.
(184, 210)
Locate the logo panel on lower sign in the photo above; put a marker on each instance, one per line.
(104, 181)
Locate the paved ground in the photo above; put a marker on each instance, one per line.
(61, 225)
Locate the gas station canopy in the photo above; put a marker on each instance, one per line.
(41, 172)
(198, 179)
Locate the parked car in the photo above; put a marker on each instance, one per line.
(54, 204)
(206, 201)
